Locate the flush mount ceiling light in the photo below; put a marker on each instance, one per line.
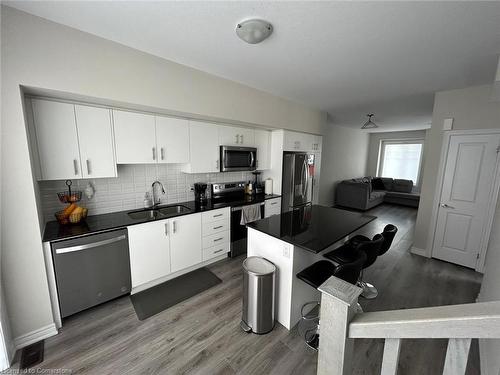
(254, 31)
(369, 124)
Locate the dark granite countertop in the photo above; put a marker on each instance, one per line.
(313, 228)
(105, 222)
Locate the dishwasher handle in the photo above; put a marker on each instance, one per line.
(70, 249)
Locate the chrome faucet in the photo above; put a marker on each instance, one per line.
(156, 200)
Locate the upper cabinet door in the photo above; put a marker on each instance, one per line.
(235, 136)
(172, 140)
(263, 144)
(135, 138)
(204, 148)
(95, 136)
(57, 140)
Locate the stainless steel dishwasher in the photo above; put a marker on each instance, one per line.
(91, 270)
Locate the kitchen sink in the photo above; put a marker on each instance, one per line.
(144, 214)
(173, 210)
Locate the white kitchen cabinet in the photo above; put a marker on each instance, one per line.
(73, 141)
(263, 144)
(56, 140)
(235, 136)
(172, 140)
(216, 233)
(272, 207)
(185, 241)
(95, 134)
(149, 246)
(204, 148)
(135, 138)
(304, 142)
(317, 143)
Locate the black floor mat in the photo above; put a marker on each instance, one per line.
(32, 355)
(158, 298)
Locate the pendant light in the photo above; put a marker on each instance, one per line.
(369, 124)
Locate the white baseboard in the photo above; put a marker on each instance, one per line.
(35, 336)
(418, 251)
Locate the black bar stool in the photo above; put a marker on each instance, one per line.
(319, 272)
(389, 233)
(371, 248)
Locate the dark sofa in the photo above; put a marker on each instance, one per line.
(367, 192)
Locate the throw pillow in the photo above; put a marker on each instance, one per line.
(377, 184)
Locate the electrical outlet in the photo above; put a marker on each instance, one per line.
(286, 251)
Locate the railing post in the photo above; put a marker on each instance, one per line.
(338, 307)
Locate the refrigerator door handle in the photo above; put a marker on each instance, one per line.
(304, 181)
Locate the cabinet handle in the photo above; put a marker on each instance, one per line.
(272, 204)
(89, 170)
(217, 215)
(219, 239)
(162, 153)
(241, 135)
(237, 138)
(218, 251)
(75, 165)
(175, 226)
(220, 226)
(154, 153)
(217, 164)
(166, 229)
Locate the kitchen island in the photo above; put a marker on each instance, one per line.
(293, 241)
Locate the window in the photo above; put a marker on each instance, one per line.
(401, 159)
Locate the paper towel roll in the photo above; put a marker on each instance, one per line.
(268, 187)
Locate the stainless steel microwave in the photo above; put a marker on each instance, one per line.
(237, 158)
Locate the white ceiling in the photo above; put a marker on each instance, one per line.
(347, 58)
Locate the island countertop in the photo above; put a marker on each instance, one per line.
(313, 228)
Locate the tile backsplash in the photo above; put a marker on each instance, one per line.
(127, 191)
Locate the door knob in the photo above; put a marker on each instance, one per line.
(444, 205)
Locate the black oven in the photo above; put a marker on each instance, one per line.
(237, 158)
(239, 232)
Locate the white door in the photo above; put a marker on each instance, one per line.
(172, 140)
(135, 138)
(204, 147)
(185, 241)
(467, 185)
(95, 136)
(149, 248)
(263, 144)
(57, 140)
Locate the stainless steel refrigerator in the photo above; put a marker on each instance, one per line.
(297, 182)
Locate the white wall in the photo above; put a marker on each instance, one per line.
(42, 54)
(471, 108)
(373, 150)
(490, 291)
(344, 154)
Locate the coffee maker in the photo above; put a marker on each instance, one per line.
(200, 192)
(258, 187)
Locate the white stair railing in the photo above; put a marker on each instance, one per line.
(341, 323)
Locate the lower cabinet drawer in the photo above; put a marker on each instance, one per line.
(216, 251)
(216, 239)
(215, 227)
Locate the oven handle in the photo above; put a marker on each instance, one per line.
(234, 209)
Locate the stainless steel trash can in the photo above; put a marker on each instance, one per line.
(258, 295)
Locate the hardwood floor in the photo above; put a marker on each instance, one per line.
(202, 335)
